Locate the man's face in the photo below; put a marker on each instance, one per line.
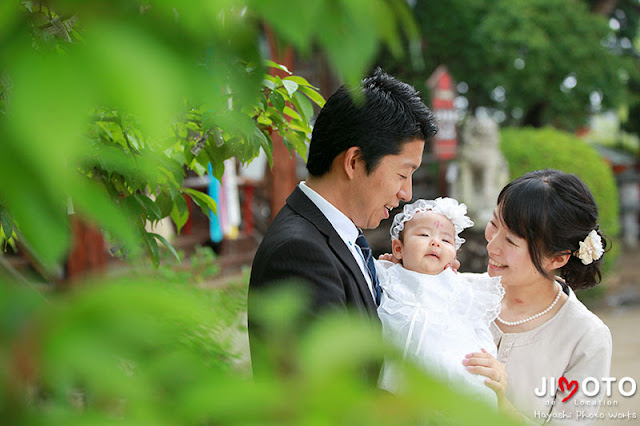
(376, 194)
(428, 243)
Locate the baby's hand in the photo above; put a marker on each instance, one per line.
(389, 257)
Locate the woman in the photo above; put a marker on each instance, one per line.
(543, 241)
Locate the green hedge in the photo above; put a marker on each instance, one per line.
(528, 149)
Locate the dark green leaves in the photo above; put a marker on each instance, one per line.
(526, 49)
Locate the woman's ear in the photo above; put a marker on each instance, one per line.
(350, 161)
(396, 248)
(557, 261)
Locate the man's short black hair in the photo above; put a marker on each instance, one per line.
(389, 114)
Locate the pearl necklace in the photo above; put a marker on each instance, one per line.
(532, 317)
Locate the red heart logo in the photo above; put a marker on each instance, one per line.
(570, 385)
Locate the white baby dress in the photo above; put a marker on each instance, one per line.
(435, 320)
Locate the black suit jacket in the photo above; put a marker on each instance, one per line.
(301, 244)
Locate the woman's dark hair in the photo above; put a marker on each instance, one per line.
(553, 211)
(387, 114)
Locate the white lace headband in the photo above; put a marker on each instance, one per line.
(454, 211)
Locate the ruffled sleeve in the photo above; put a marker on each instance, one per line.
(486, 296)
(381, 271)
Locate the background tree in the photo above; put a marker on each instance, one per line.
(533, 62)
(625, 16)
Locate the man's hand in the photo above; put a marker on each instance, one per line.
(389, 257)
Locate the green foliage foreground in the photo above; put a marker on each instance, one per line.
(104, 104)
(151, 353)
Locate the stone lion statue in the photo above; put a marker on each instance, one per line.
(482, 169)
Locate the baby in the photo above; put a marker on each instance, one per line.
(432, 314)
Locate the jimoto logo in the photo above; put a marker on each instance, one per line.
(590, 386)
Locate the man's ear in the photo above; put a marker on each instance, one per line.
(396, 248)
(557, 261)
(350, 161)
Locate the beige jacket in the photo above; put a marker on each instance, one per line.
(574, 344)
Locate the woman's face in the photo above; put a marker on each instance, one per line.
(508, 254)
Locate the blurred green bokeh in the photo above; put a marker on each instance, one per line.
(132, 352)
(103, 105)
(103, 101)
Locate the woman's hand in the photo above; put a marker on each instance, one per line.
(484, 364)
(454, 265)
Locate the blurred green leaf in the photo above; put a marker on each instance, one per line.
(164, 202)
(269, 84)
(277, 100)
(179, 212)
(168, 245)
(270, 63)
(9, 16)
(151, 88)
(6, 222)
(296, 22)
(291, 113)
(296, 141)
(152, 245)
(94, 203)
(299, 80)
(204, 201)
(291, 86)
(152, 210)
(42, 214)
(313, 95)
(303, 106)
(265, 144)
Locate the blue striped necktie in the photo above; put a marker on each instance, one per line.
(361, 241)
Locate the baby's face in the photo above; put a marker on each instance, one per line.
(428, 244)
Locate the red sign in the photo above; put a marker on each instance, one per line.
(445, 142)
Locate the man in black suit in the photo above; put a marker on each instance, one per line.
(363, 153)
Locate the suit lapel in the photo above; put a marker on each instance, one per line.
(302, 205)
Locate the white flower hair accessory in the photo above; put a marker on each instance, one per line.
(454, 211)
(590, 249)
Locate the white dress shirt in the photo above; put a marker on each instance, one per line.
(343, 226)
